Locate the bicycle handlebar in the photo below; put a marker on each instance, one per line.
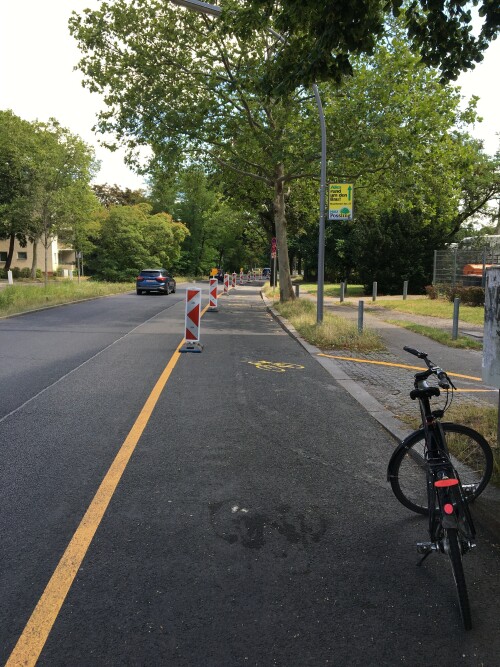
(443, 380)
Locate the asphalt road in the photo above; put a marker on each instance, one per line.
(253, 524)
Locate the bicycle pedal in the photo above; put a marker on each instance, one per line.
(426, 547)
(468, 490)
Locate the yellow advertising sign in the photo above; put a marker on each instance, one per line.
(340, 201)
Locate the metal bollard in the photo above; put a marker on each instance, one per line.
(374, 295)
(405, 290)
(456, 309)
(342, 292)
(361, 305)
(297, 290)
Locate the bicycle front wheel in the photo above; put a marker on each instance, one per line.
(455, 556)
(471, 456)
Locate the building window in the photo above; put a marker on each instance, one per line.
(22, 255)
(3, 256)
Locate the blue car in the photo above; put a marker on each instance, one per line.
(155, 280)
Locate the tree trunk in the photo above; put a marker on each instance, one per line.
(35, 258)
(46, 260)
(10, 253)
(285, 282)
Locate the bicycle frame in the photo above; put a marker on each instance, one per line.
(448, 507)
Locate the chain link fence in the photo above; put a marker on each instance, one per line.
(463, 267)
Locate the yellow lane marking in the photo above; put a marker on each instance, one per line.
(32, 640)
(387, 363)
(477, 391)
(34, 636)
(36, 632)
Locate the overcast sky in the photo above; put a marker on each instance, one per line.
(37, 81)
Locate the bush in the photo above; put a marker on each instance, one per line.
(26, 273)
(16, 272)
(431, 291)
(469, 296)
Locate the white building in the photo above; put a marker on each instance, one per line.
(58, 257)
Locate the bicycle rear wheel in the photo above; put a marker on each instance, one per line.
(471, 456)
(455, 556)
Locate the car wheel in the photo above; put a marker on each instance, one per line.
(139, 291)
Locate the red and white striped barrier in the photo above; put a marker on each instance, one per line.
(233, 283)
(212, 307)
(193, 317)
(226, 283)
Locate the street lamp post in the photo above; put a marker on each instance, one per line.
(213, 10)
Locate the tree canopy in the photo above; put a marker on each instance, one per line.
(322, 37)
(128, 238)
(182, 84)
(45, 183)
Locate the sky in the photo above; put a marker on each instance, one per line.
(37, 80)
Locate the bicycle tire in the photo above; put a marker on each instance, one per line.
(455, 556)
(407, 467)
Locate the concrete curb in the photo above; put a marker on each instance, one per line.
(486, 509)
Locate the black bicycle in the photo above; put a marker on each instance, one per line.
(437, 471)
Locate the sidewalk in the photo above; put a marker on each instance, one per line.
(382, 388)
(390, 385)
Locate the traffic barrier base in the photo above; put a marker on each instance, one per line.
(191, 346)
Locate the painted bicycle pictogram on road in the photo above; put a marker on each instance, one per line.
(275, 366)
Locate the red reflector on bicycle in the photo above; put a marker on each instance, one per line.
(448, 508)
(446, 482)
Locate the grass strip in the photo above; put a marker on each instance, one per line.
(334, 290)
(439, 335)
(333, 333)
(16, 299)
(433, 308)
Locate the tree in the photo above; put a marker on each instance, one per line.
(322, 37)
(221, 233)
(60, 197)
(401, 137)
(176, 82)
(113, 195)
(17, 172)
(129, 238)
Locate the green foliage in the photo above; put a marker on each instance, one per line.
(400, 137)
(113, 195)
(194, 94)
(221, 234)
(394, 247)
(470, 296)
(44, 189)
(130, 238)
(322, 37)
